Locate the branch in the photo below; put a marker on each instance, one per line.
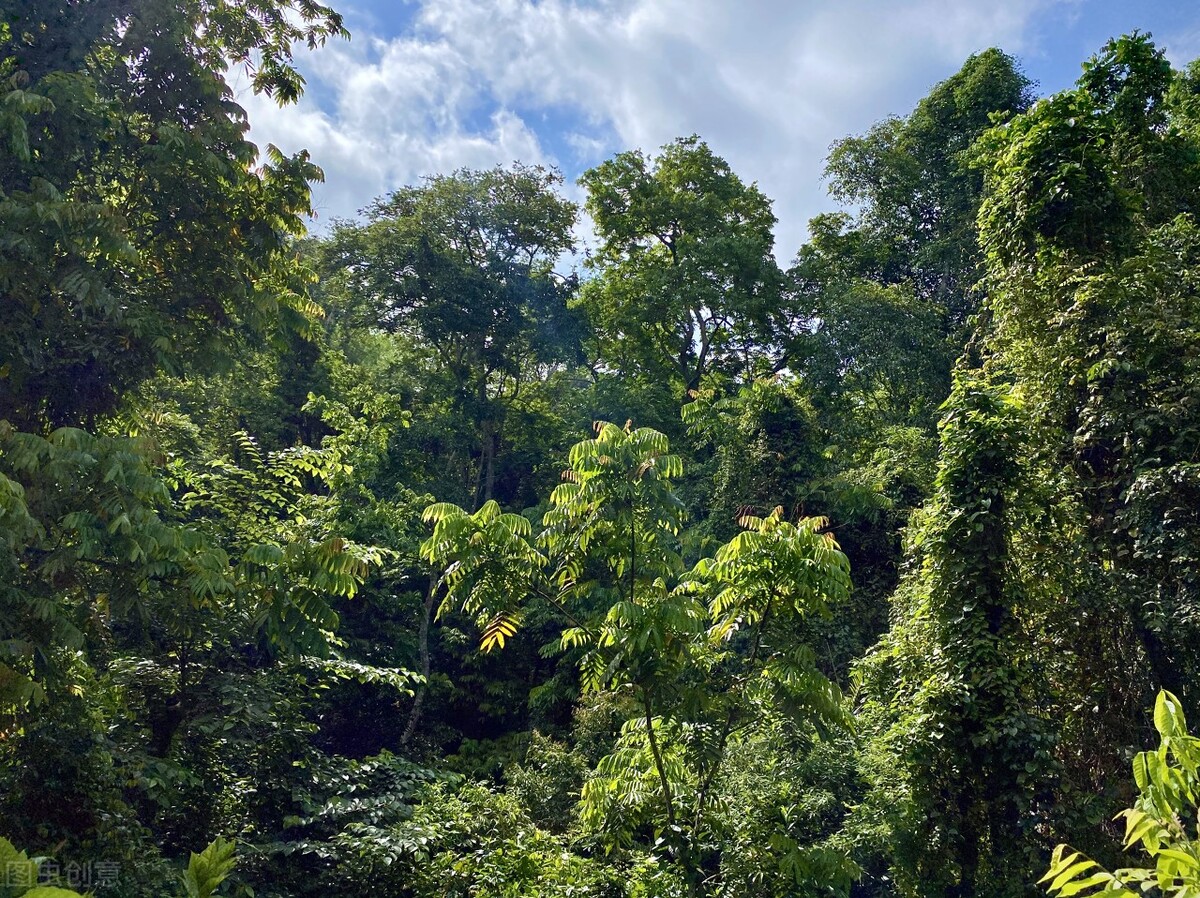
(658, 760)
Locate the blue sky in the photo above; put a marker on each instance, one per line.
(433, 85)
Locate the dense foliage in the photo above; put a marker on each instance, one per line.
(408, 558)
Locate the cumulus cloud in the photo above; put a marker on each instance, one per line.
(769, 84)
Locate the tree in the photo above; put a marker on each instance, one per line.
(685, 278)
(465, 265)
(1052, 553)
(1092, 257)
(881, 300)
(917, 191)
(701, 657)
(876, 357)
(157, 604)
(139, 229)
(880, 303)
(763, 450)
(968, 735)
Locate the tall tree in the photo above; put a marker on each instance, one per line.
(465, 265)
(686, 282)
(955, 671)
(1092, 253)
(139, 229)
(1057, 589)
(916, 190)
(881, 299)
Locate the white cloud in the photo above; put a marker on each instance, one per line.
(769, 84)
(1183, 46)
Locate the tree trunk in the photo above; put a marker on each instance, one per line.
(414, 715)
(485, 482)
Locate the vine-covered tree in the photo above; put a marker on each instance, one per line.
(1092, 255)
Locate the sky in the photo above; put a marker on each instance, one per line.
(431, 86)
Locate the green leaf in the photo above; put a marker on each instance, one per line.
(1168, 715)
(208, 869)
(1070, 873)
(18, 871)
(50, 892)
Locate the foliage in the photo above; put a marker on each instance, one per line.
(222, 615)
(272, 525)
(606, 562)
(765, 447)
(106, 547)
(1160, 823)
(783, 801)
(465, 264)
(208, 869)
(27, 877)
(548, 782)
(139, 229)
(475, 842)
(85, 539)
(685, 278)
